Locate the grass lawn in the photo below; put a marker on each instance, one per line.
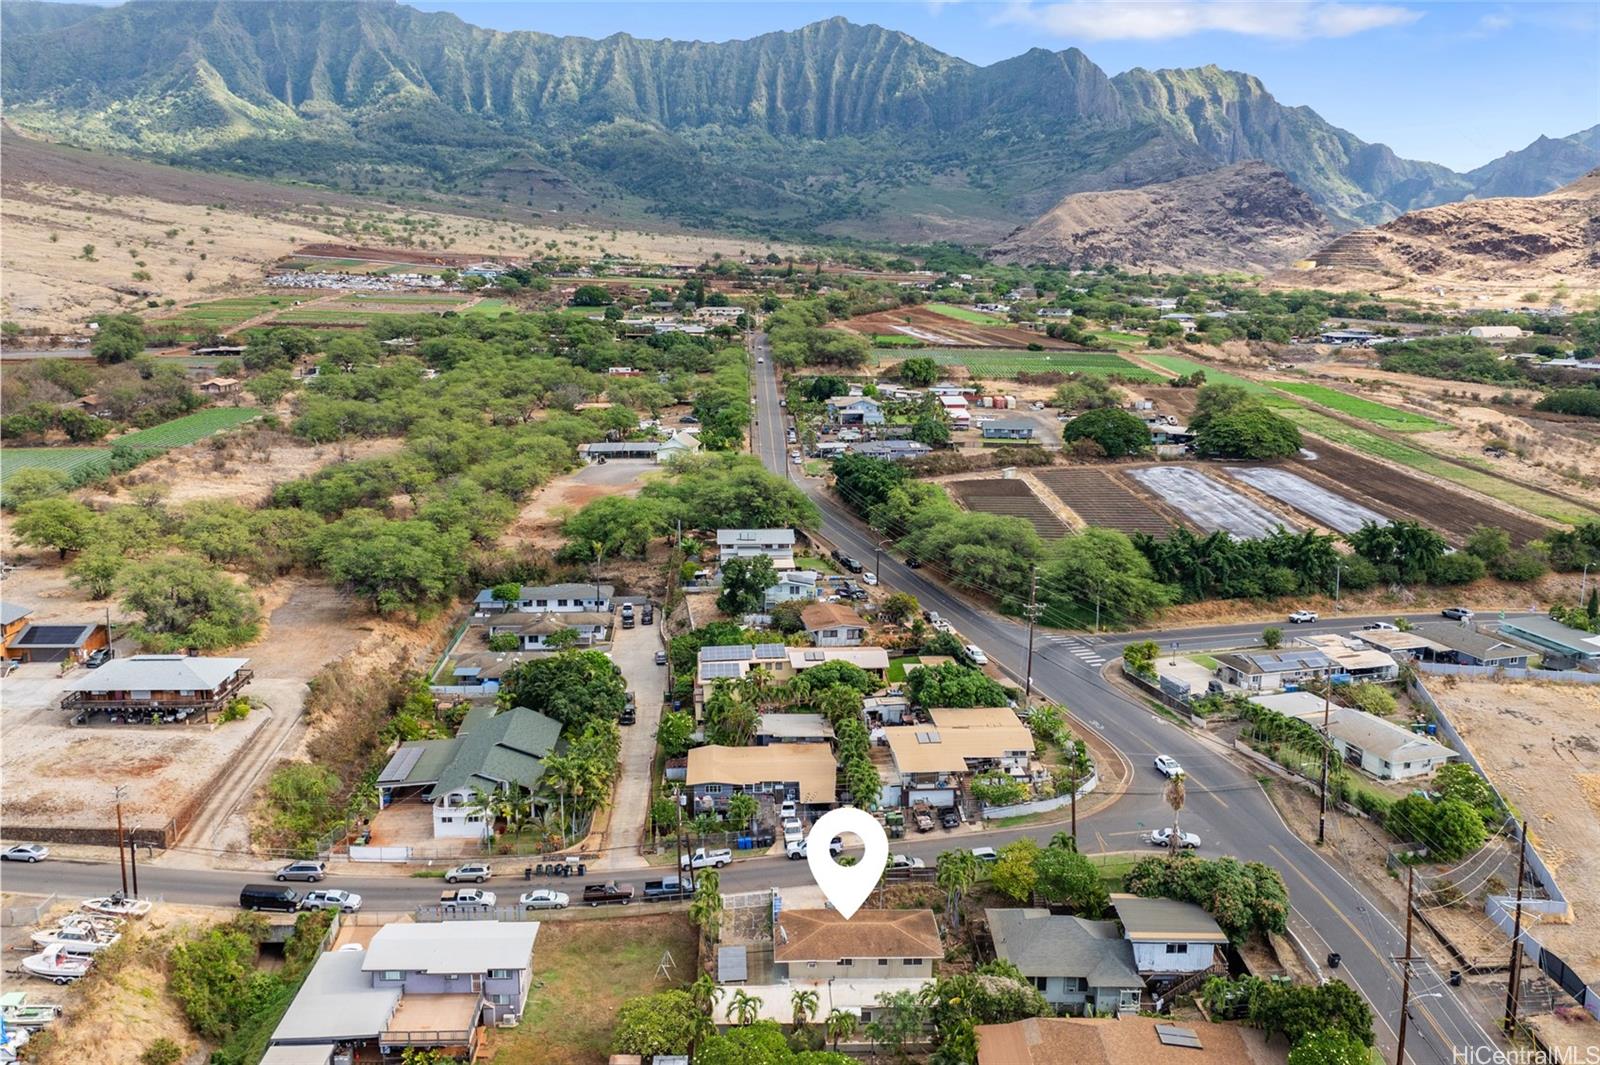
(965, 314)
(1113, 339)
(1524, 498)
(487, 306)
(816, 468)
(895, 340)
(1113, 867)
(819, 563)
(584, 971)
(1182, 366)
(897, 668)
(1204, 660)
(1384, 417)
(1008, 362)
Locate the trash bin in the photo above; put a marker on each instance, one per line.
(744, 843)
(527, 873)
(1333, 961)
(1455, 977)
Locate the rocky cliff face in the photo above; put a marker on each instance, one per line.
(1543, 166)
(1246, 217)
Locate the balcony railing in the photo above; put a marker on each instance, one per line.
(124, 700)
(431, 1037)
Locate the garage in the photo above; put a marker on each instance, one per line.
(55, 643)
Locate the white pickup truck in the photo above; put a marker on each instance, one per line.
(467, 899)
(704, 859)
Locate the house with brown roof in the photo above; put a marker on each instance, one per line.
(218, 387)
(932, 761)
(833, 625)
(1118, 1041)
(873, 944)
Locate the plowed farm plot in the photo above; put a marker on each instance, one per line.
(1209, 503)
(1010, 498)
(1328, 509)
(940, 330)
(1398, 494)
(1099, 498)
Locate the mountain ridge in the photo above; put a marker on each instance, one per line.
(834, 127)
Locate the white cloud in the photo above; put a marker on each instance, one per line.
(1494, 23)
(1099, 20)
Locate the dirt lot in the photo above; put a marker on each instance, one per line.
(993, 495)
(939, 330)
(1538, 744)
(539, 522)
(1101, 497)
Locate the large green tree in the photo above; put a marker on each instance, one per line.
(1117, 432)
(57, 523)
(181, 602)
(573, 687)
(1250, 431)
(744, 580)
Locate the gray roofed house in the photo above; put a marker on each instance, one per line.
(1376, 746)
(1467, 645)
(892, 450)
(176, 685)
(1009, 429)
(1270, 670)
(1555, 639)
(561, 598)
(337, 1004)
(461, 947)
(1170, 938)
(1080, 965)
(776, 544)
(10, 613)
(793, 728)
(627, 449)
(490, 752)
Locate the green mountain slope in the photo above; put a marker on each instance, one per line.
(832, 127)
(1543, 166)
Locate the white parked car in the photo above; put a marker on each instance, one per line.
(331, 899)
(1380, 626)
(467, 899)
(26, 852)
(985, 854)
(703, 859)
(1162, 837)
(792, 824)
(795, 849)
(975, 653)
(905, 861)
(544, 899)
(1302, 617)
(870, 579)
(797, 460)
(1168, 766)
(476, 871)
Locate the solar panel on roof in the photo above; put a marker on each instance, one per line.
(738, 652)
(1173, 1036)
(719, 670)
(50, 636)
(771, 650)
(400, 766)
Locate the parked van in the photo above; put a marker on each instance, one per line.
(269, 897)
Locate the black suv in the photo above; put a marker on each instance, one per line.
(851, 564)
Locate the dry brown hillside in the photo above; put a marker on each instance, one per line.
(1242, 217)
(1523, 242)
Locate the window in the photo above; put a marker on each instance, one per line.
(473, 819)
(1177, 948)
(499, 974)
(883, 961)
(452, 976)
(447, 820)
(846, 961)
(500, 1000)
(1040, 982)
(393, 974)
(713, 789)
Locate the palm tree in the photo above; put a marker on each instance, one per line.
(842, 1024)
(804, 1004)
(705, 992)
(1175, 797)
(742, 808)
(744, 1007)
(957, 871)
(705, 909)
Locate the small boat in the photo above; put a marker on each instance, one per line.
(17, 1012)
(59, 963)
(78, 931)
(12, 1040)
(117, 905)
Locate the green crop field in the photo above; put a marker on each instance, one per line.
(488, 306)
(190, 428)
(1113, 339)
(329, 316)
(1005, 363)
(1384, 417)
(1183, 367)
(965, 314)
(62, 459)
(896, 340)
(449, 299)
(223, 315)
(1523, 498)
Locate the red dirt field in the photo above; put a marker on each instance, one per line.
(941, 331)
(389, 255)
(1102, 498)
(1011, 499)
(1402, 495)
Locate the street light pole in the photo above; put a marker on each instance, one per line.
(1322, 812)
(1514, 984)
(1338, 572)
(1033, 613)
(1405, 973)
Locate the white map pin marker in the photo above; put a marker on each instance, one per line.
(846, 886)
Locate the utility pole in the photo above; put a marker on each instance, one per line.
(122, 859)
(1033, 613)
(1322, 812)
(1405, 972)
(1338, 571)
(133, 863)
(1514, 984)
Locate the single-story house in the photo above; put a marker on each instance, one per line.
(1121, 1041)
(1080, 966)
(477, 673)
(221, 386)
(560, 598)
(1357, 337)
(776, 544)
(804, 772)
(955, 408)
(854, 410)
(490, 752)
(1008, 429)
(13, 619)
(1354, 659)
(534, 631)
(1555, 639)
(891, 450)
(1170, 938)
(1271, 670)
(886, 709)
(620, 449)
(793, 585)
(931, 761)
(1449, 642)
(678, 445)
(428, 986)
(733, 661)
(1377, 747)
(172, 687)
(34, 642)
(793, 728)
(833, 625)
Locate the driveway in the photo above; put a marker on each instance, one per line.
(634, 651)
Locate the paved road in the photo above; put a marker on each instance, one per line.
(634, 651)
(1226, 806)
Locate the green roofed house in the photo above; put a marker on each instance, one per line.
(490, 752)
(1562, 644)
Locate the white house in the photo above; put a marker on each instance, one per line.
(855, 410)
(776, 544)
(1169, 938)
(676, 446)
(1377, 747)
(793, 585)
(552, 598)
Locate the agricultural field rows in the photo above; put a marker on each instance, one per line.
(1099, 498)
(1183, 367)
(1529, 499)
(61, 459)
(965, 314)
(190, 428)
(1379, 414)
(1011, 499)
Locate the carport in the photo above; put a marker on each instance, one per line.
(55, 643)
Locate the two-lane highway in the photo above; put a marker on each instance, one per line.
(1225, 803)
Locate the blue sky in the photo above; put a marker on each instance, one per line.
(1453, 83)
